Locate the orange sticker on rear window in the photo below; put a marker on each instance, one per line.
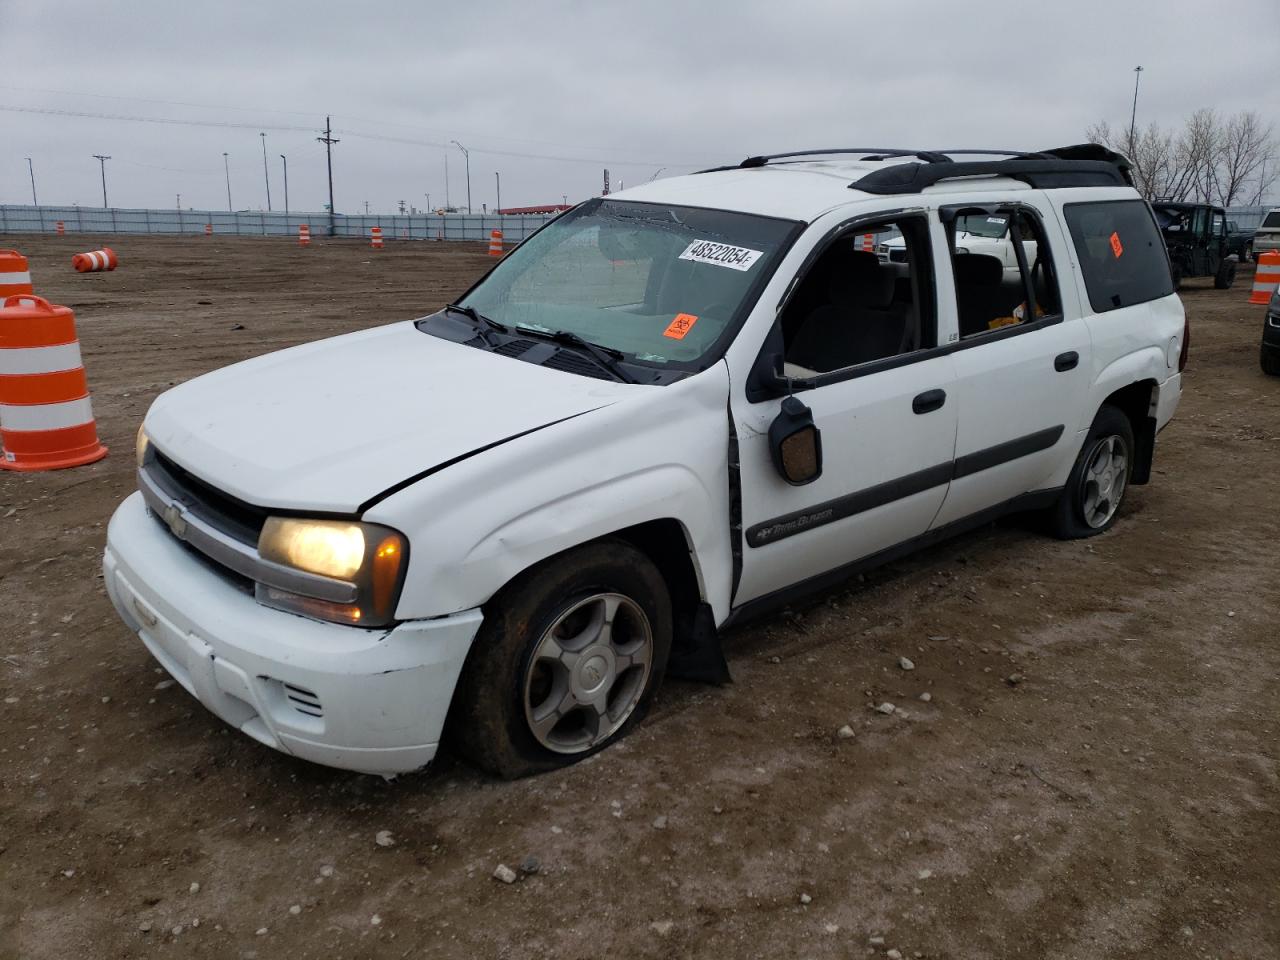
(1116, 248)
(681, 325)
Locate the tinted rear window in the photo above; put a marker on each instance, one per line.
(1272, 219)
(1121, 253)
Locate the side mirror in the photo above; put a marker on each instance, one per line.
(796, 443)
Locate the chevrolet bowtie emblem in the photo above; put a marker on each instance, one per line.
(175, 521)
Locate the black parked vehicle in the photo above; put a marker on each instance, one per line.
(1195, 234)
(1271, 337)
(1239, 242)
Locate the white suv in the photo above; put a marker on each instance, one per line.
(669, 410)
(1266, 239)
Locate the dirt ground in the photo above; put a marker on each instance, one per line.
(1095, 776)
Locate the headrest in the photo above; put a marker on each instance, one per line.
(977, 270)
(857, 279)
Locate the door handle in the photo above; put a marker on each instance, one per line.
(929, 401)
(1066, 361)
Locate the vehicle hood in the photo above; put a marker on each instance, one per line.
(330, 425)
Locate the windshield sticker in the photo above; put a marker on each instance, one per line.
(1116, 248)
(998, 221)
(681, 325)
(721, 254)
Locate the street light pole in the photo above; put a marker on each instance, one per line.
(1133, 118)
(286, 185)
(467, 155)
(265, 173)
(102, 164)
(498, 180)
(32, 170)
(226, 166)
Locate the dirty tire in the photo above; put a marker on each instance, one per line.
(1226, 275)
(1270, 361)
(487, 722)
(1067, 516)
(1176, 273)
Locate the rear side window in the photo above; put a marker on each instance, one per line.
(1120, 251)
(1272, 219)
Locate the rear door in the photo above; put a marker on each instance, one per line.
(1021, 369)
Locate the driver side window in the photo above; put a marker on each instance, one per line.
(866, 297)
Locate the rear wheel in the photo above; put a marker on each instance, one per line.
(1246, 253)
(567, 661)
(1225, 276)
(1176, 272)
(1099, 479)
(1270, 360)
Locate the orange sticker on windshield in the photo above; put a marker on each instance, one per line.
(681, 325)
(1116, 248)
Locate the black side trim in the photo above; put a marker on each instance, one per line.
(735, 505)
(761, 606)
(1004, 452)
(409, 481)
(788, 525)
(842, 507)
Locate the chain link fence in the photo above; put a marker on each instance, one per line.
(245, 223)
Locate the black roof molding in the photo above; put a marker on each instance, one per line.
(1081, 165)
(1078, 165)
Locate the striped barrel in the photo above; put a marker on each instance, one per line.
(95, 260)
(1266, 278)
(60, 227)
(46, 419)
(208, 229)
(495, 243)
(375, 237)
(304, 235)
(15, 277)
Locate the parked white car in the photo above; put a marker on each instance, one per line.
(668, 411)
(984, 233)
(1266, 239)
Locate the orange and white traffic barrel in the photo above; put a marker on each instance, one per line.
(60, 227)
(15, 276)
(1266, 278)
(375, 237)
(208, 229)
(495, 243)
(95, 260)
(304, 235)
(46, 419)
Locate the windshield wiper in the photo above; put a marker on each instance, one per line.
(607, 357)
(480, 319)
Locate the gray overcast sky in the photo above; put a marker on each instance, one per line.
(549, 93)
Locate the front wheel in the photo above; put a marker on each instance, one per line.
(1226, 275)
(568, 658)
(1270, 360)
(1099, 479)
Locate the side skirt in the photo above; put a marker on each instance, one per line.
(760, 606)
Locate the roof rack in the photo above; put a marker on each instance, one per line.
(1080, 165)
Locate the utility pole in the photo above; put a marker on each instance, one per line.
(1133, 118)
(429, 210)
(266, 175)
(328, 142)
(565, 198)
(446, 183)
(366, 208)
(102, 164)
(286, 187)
(467, 154)
(179, 201)
(32, 170)
(498, 180)
(226, 166)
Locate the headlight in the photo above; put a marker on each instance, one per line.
(370, 557)
(140, 444)
(1274, 306)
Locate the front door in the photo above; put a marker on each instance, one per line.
(857, 337)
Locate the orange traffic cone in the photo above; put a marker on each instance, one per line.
(95, 260)
(304, 235)
(46, 419)
(1266, 278)
(495, 243)
(375, 238)
(15, 277)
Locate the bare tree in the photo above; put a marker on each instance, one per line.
(1211, 160)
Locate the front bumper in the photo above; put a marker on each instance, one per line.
(373, 701)
(1271, 331)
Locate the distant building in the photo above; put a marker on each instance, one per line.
(525, 211)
